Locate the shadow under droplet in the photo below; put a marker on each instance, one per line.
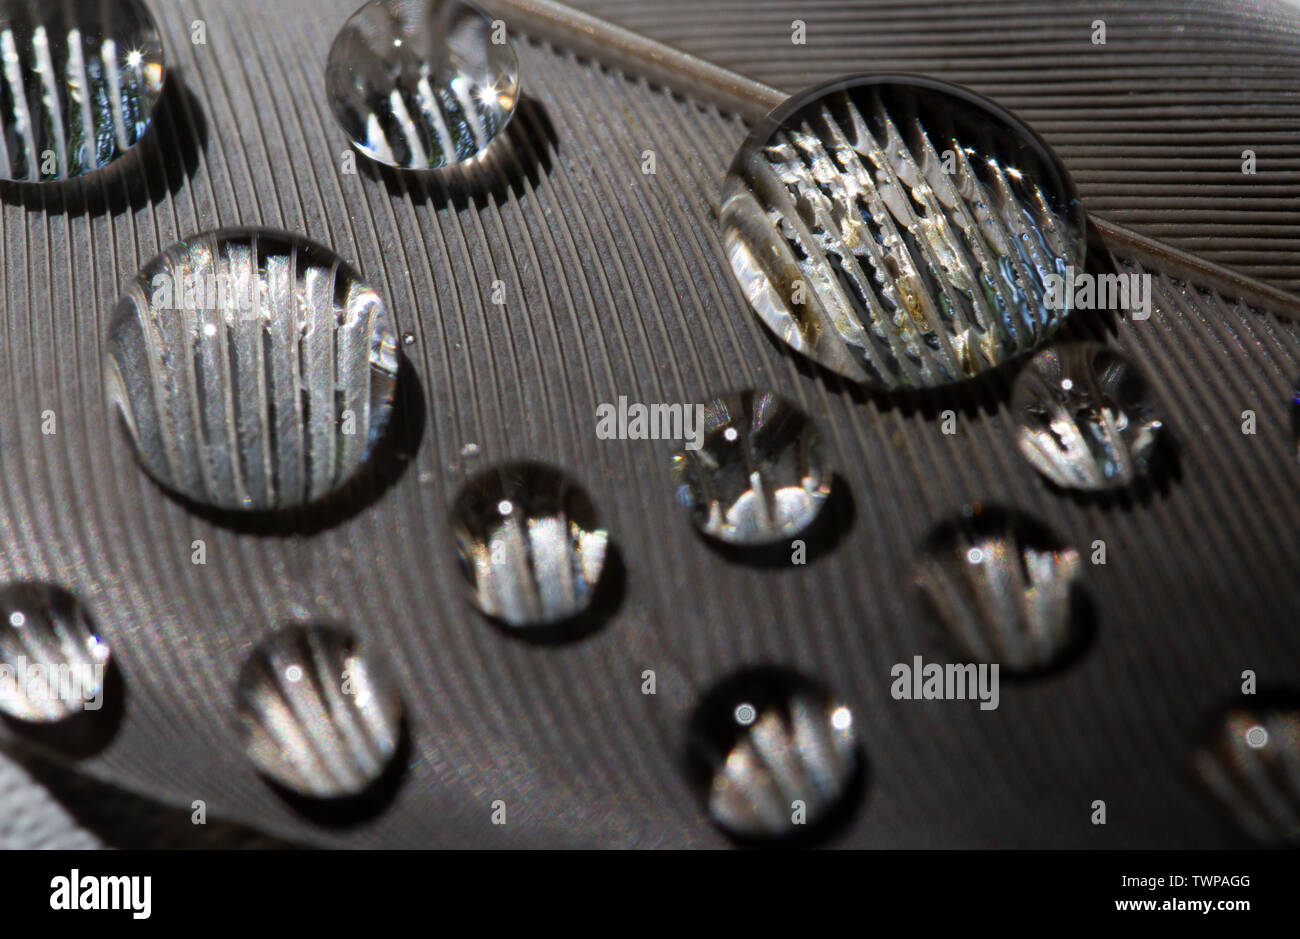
(354, 810)
(833, 523)
(393, 453)
(514, 162)
(160, 164)
(81, 735)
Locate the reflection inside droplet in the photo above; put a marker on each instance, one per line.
(758, 476)
(773, 754)
(1001, 590)
(900, 231)
(531, 550)
(421, 84)
(1085, 421)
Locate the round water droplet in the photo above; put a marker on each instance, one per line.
(252, 370)
(877, 225)
(52, 663)
(1250, 764)
(530, 546)
(1085, 418)
(1003, 590)
(758, 476)
(420, 84)
(773, 754)
(315, 715)
(78, 85)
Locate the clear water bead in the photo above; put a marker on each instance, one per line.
(1250, 764)
(530, 547)
(758, 476)
(52, 663)
(773, 753)
(421, 84)
(78, 86)
(1084, 417)
(315, 715)
(252, 370)
(1003, 591)
(901, 231)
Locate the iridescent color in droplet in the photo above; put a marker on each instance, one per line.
(1250, 764)
(773, 754)
(316, 715)
(421, 84)
(52, 662)
(530, 546)
(1003, 590)
(901, 231)
(252, 370)
(78, 84)
(1085, 418)
(758, 476)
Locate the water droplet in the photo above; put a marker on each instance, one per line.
(408, 339)
(1249, 764)
(530, 547)
(252, 370)
(421, 84)
(1003, 590)
(316, 715)
(773, 754)
(842, 210)
(1084, 417)
(758, 476)
(52, 663)
(79, 83)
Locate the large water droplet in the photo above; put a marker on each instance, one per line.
(78, 85)
(758, 476)
(1085, 418)
(253, 370)
(315, 715)
(1250, 763)
(773, 753)
(530, 546)
(52, 664)
(421, 84)
(901, 231)
(1003, 590)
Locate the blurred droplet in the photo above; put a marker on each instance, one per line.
(758, 476)
(530, 546)
(1002, 590)
(774, 755)
(901, 231)
(1085, 421)
(1250, 764)
(315, 715)
(78, 85)
(252, 370)
(52, 662)
(421, 84)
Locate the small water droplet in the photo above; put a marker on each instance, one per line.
(1003, 590)
(52, 663)
(1248, 764)
(773, 754)
(758, 476)
(316, 715)
(408, 339)
(253, 370)
(469, 451)
(423, 84)
(902, 271)
(530, 546)
(1085, 421)
(80, 84)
